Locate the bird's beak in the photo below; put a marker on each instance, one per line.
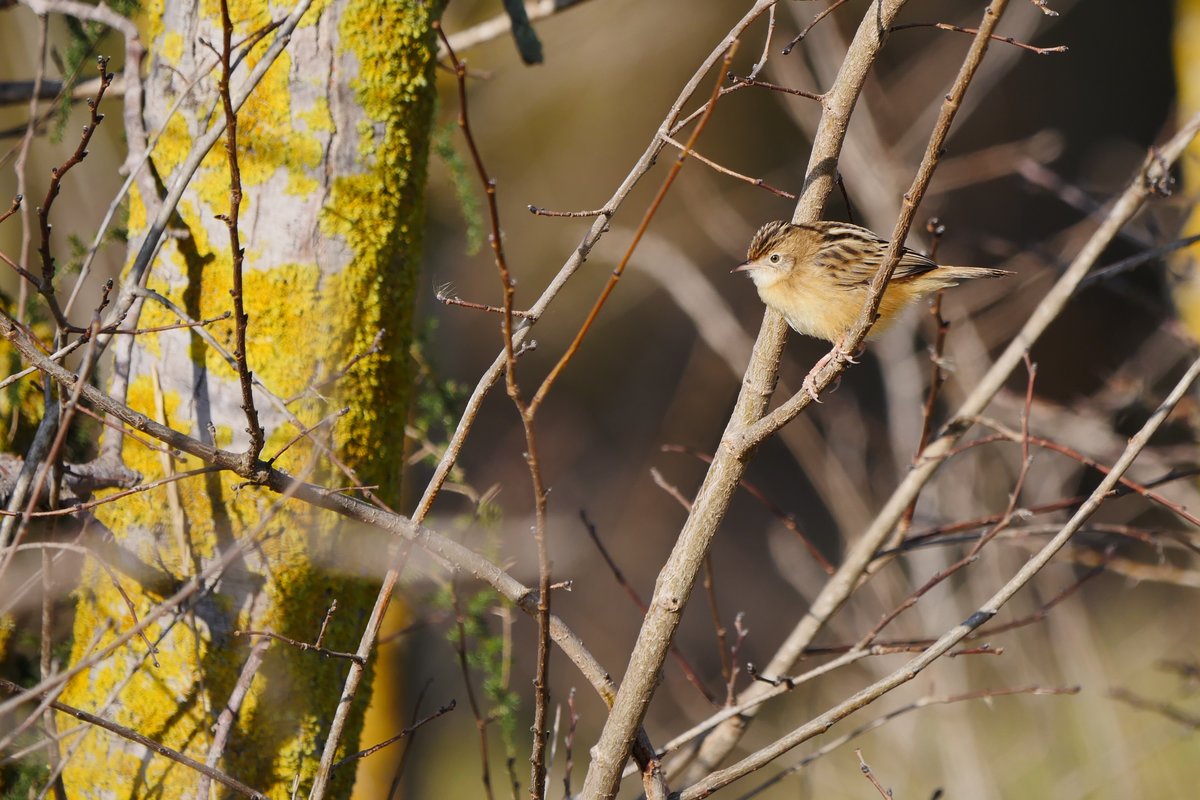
(744, 267)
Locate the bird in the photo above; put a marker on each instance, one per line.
(816, 275)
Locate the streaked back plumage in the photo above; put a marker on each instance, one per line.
(820, 281)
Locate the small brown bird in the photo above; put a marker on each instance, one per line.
(816, 275)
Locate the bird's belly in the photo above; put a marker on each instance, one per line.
(814, 312)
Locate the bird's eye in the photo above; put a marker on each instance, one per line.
(775, 258)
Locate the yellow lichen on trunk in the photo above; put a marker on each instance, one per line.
(331, 258)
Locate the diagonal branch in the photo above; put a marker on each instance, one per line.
(959, 632)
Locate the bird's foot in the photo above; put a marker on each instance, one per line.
(810, 388)
(849, 356)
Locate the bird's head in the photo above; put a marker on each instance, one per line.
(773, 253)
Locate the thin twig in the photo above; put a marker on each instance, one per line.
(668, 181)
(455, 300)
(303, 645)
(800, 36)
(774, 87)
(460, 647)
(230, 712)
(762, 60)
(679, 573)
(952, 637)
(1000, 524)
(46, 285)
(688, 672)
(936, 231)
(446, 709)
(526, 411)
(237, 252)
(944, 26)
(726, 171)
(870, 776)
(569, 743)
(788, 520)
(878, 722)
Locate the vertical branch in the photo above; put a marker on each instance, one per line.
(936, 376)
(678, 575)
(238, 253)
(53, 756)
(19, 168)
(541, 685)
(858, 557)
(46, 284)
(477, 712)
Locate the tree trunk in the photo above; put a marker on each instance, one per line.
(332, 149)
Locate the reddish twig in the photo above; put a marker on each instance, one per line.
(527, 411)
(936, 230)
(688, 672)
(870, 776)
(325, 623)
(1062, 449)
(945, 26)
(307, 431)
(774, 87)
(14, 208)
(726, 171)
(1000, 524)
(714, 611)
(788, 520)
(538, 211)
(637, 236)
(46, 284)
(455, 300)
(254, 428)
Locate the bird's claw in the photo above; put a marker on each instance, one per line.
(810, 389)
(849, 356)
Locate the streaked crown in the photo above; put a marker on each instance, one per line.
(766, 238)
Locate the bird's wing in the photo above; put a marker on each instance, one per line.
(853, 265)
(911, 265)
